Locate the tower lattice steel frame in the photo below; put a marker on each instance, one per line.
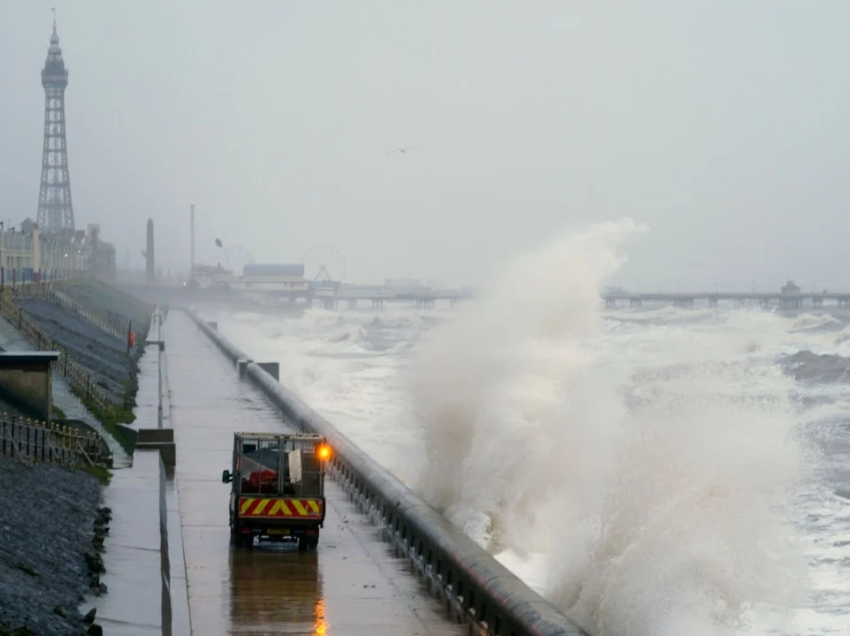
(55, 210)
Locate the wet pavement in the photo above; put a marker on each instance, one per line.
(351, 585)
(133, 576)
(136, 571)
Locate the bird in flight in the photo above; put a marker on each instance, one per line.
(401, 150)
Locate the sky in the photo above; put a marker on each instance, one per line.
(720, 124)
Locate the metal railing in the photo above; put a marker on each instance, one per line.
(76, 375)
(109, 323)
(112, 325)
(34, 441)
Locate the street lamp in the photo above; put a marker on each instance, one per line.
(226, 257)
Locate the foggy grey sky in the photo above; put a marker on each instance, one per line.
(721, 124)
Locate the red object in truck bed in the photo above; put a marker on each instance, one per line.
(264, 477)
(261, 481)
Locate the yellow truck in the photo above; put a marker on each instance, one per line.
(277, 488)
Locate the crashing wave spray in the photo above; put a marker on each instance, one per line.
(654, 486)
(471, 365)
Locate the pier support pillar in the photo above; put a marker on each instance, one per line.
(424, 303)
(684, 303)
(790, 303)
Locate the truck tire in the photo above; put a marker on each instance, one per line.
(308, 543)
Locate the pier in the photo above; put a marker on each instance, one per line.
(788, 297)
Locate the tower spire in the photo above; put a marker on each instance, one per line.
(55, 208)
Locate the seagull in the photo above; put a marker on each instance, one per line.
(401, 150)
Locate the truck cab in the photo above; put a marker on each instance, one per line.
(277, 488)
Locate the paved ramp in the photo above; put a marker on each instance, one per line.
(351, 585)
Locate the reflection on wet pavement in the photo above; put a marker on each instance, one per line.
(262, 592)
(351, 585)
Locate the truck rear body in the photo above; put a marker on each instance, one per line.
(277, 488)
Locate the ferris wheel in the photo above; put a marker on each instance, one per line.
(323, 263)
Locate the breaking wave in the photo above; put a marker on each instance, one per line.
(825, 368)
(659, 498)
(810, 322)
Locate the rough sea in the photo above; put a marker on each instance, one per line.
(657, 471)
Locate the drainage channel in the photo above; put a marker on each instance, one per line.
(352, 584)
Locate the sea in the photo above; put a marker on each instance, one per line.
(652, 471)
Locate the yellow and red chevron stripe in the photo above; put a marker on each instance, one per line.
(300, 508)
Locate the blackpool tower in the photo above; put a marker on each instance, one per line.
(55, 211)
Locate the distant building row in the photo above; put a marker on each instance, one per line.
(28, 254)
